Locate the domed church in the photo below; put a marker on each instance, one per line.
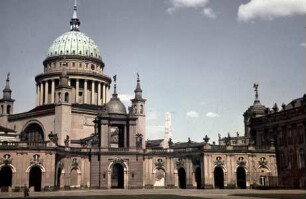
(79, 136)
(58, 143)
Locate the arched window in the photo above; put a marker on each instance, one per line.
(2, 109)
(33, 134)
(141, 109)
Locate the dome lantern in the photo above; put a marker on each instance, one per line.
(74, 22)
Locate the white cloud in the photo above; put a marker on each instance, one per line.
(303, 44)
(208, 12)
(192, 114)
(212, 115)
(188, 3)
(270, 9)
(194, 4)
(125, 97)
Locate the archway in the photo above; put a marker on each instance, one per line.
(35, 178)
(241, 178)
(219, 178)
(182, 178)
(6, 175)
(117, 176)
(198, 177)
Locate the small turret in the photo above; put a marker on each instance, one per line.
(138, 110)
(6, 103)
(138, 102)
(138, 90)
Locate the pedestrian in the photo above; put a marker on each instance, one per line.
(26, 191)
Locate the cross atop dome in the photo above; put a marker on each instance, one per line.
(74, 22)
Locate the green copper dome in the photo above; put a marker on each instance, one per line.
(74, 43)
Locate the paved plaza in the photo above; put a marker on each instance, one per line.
(216, 193)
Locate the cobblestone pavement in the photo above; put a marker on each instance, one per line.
(216, 193)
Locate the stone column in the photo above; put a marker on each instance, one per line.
(103, 94)
(41, 102)
(37, 94)
(106, 95)
(99, 93)
(92, 92)
(46, 91)
(52, 91)
(85, 91)
(77, 88)
(150, 174)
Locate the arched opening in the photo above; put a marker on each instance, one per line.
(2, 109)
(182, 178)
(219, 178)
(34, 135)
(35, 178)
(59, 97)
(74, 178)
(67, 97)
(58, 178)
(8, 109)
(159, 175)
(241, 178)
(198, 177)
(6, 175)
(117, 176)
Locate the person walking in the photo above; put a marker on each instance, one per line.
(26, 191)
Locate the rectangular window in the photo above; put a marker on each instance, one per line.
(301, 135)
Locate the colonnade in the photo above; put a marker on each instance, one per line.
(84, 91)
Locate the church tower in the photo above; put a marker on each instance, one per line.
(138, 109)
(63, 108)
(7, 103)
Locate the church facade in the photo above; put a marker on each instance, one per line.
(78, 136)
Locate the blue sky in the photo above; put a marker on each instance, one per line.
(196, 58)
